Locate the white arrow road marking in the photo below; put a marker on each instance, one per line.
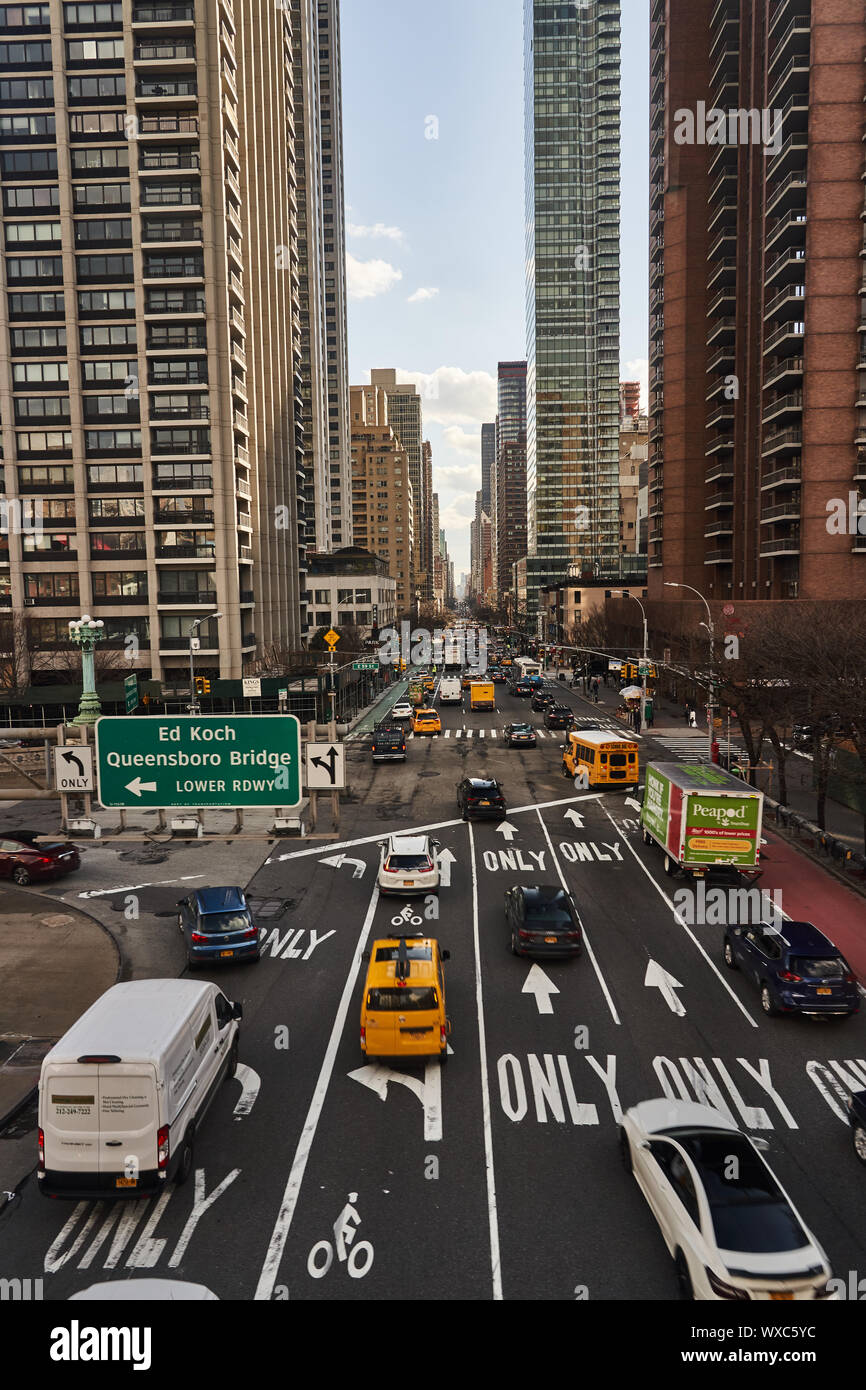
(542, 987)
(445, 859)
(136, 786)
(337, 860)
(658, 978)
(508, 831)
(630, 801)
(251, 1084)
(428, 1091)
(576, 817)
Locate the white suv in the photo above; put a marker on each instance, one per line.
(407, 864)
(401, 710)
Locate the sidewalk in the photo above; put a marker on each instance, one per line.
(55, 961)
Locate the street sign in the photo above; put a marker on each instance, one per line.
(282, 694)
(365, 665)
(326, 767)
(332, 638)
(130, 691)
(73, 768)
(200, 760)
(252, 686)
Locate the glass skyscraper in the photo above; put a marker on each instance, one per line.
(572, 71)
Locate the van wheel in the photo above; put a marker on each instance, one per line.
(184, 1167)
(21, 875)
(232, 1068)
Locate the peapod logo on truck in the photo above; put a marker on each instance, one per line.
(722, 827)
(720, 811)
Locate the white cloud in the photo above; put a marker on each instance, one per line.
(450, 396)
(367, 279)
(377, 231)
(454, 473)
(462, 442)
(422, 294)
(458, 514)
(638, 370)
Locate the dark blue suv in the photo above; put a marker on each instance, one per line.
(217, 926)
(795, 967)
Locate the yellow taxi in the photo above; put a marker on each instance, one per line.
(428, 682)
(403, 1008)
(426, 721)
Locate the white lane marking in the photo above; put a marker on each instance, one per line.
(447, 733)
(677, 918)
(422, 829)
(586, 941)
(458, 733)
(280, 1233)
(658, 978)
(428, 1091)
(542, 987)
(251, 1084)
(493, 1220)
(133, 887)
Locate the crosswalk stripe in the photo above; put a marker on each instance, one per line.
(458, 733)
(480, 733)
(447, 733)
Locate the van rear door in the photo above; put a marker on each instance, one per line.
(128, 1123)
(69, 1119)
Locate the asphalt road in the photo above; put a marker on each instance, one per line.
(497, 1175)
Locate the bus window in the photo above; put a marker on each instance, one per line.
(616, 759)
(603, 757)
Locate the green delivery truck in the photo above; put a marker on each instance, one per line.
(702, 818)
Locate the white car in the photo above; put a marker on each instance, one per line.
(401, 710)
(407, 864)
(731, 1227)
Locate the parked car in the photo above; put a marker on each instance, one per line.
(730, 1226)
(480, 798)
(558, 717)
(407, 864)
(388, 743)
(25, 860)
(519, 736)
(543, 921)
(795, 967)
(217, 926)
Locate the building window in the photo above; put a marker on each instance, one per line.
(116, 584)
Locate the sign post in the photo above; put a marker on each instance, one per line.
(199, 761)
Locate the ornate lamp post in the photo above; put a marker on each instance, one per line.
(85, 633)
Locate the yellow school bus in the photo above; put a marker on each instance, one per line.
(601, 758)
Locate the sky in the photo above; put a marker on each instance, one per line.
(433, 168)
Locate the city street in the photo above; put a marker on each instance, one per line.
(497, 1175)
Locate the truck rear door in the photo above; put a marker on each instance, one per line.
(128, 1123)
(69, 1109)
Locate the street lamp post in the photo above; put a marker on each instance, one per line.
(671, 584)
(193, 648)
(644, 664)
(85, 632)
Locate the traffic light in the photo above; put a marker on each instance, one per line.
(202, 685)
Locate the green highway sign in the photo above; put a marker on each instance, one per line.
(365, 665)
(199, 760)
(130, 690)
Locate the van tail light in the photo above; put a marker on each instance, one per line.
(162, 1147)
(363, 1037)
(443, 1037)
(41, 1150)
(789, 978)
(197, 936)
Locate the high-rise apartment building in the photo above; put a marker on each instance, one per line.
(382, 500)
(633, 441)
(508, 482)
(488, 493)
(758, 373)
(404, 415)
(149, 331)
(322, 252)
(571, 59)
(431, 526)
(629, 401)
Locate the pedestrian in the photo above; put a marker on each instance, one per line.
(693, 719)
(637, 721)
(649, 716)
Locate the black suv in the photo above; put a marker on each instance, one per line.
(388, 743)
(541, 699)
(480, 798)
(558, 717)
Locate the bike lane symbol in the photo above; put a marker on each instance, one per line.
(357, 1258)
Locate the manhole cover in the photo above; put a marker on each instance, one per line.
(57, 919)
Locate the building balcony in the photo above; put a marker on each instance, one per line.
(723, 412)
(191, 413)
(792, 155)
(787, 194)
(717, 500)
(725, 185)
(723, 302)
(721, 331)
(186, 552)
(784, 441)
(723, 356)
(724, 245)
(790, 42)
(724, 214)
(793, 76)
(788, 266)
(788, 230)
(787, 476)
(724, 468)
(179, 53)
(783, 545)
(717, 385)
(722, 526)
(166, 88)
(187, 517)
(163, 14)
(188, 482)
(175, 600)
(170, 124)
(787, 338)
(722, 555)
(726, 66)
(167, 161)
(181, 644)
(789, 406)
(722, 273)
(781, 511)
(723, 443)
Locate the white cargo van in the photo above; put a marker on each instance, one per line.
(124, 1091)
(450, 690)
